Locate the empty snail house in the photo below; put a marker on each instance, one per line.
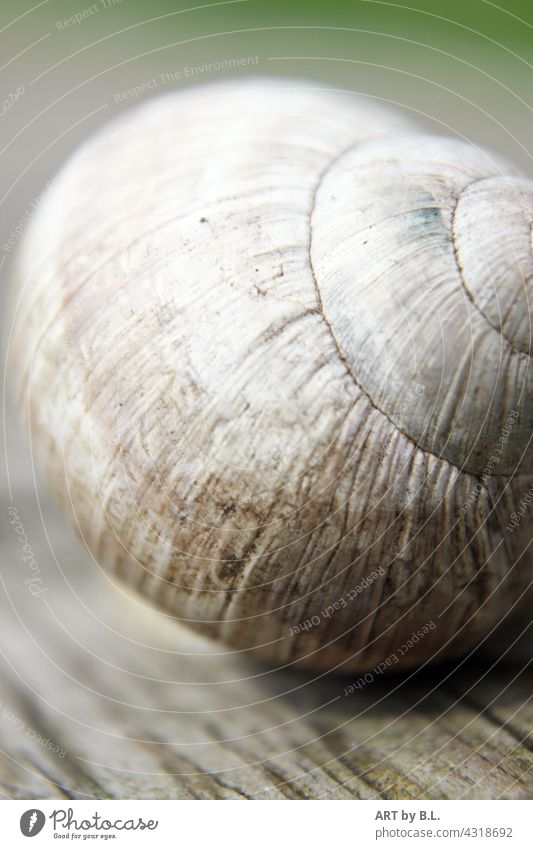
(273, 345)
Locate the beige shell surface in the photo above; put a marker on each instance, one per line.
(273, 381)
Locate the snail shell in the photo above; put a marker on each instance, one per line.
(274, 346)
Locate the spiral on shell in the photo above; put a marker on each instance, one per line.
(274, 346)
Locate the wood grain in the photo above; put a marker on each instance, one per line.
(144, 709)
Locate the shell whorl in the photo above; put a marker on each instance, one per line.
(262, 357)
(422, 255)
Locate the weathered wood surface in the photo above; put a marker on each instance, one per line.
(144, 709)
